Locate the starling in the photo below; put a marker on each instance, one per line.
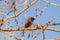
(1, 22)
(29, 22)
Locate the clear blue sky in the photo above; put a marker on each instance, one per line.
(49, 13)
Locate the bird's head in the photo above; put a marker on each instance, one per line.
(32, 18)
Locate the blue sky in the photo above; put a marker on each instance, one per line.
(49, 13)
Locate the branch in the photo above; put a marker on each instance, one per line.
(17, 14)
(21, 29)
(55, 24)
(10, 35)
(54, 4)
(25, 3)
(53, 29)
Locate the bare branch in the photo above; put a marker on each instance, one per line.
(21, 29)
(17, 14)
(10, 35)
(54, 4)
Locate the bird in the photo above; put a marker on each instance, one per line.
(28, 23)
(1, 22)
